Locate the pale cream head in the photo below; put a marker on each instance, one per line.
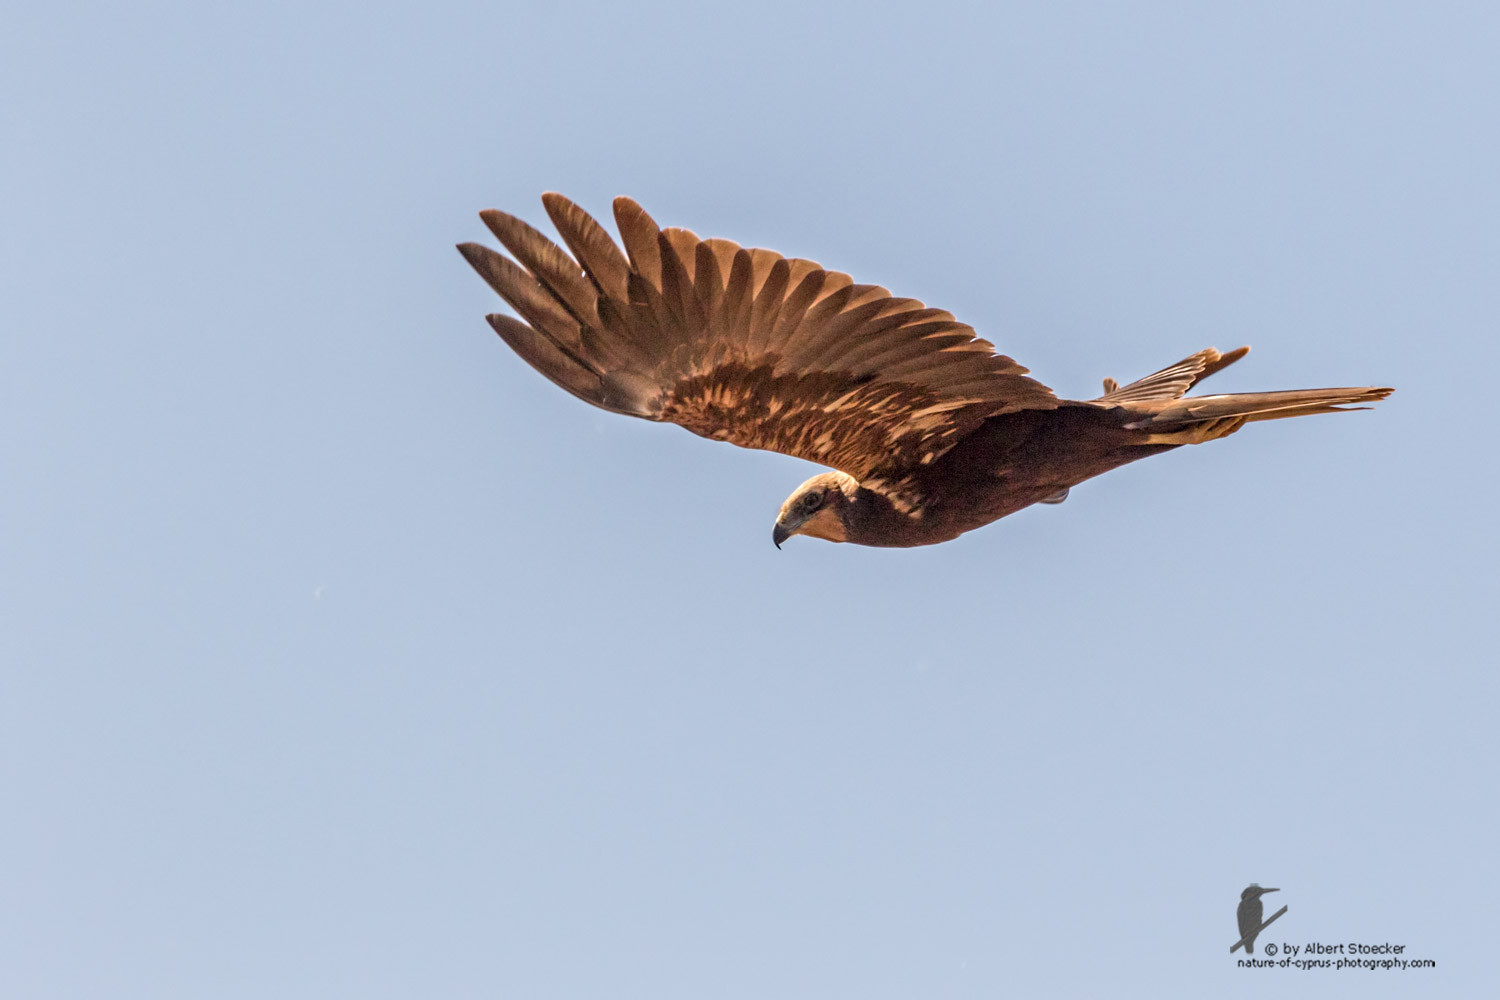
(816, 508)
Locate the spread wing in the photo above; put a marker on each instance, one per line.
(744, 345)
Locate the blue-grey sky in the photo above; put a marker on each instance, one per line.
(343, 655)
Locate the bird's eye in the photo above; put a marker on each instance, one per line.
(812, 500)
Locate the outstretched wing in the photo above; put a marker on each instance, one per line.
(744, 345)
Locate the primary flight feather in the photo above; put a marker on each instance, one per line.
(932, 432)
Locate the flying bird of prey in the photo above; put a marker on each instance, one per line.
(931, 432)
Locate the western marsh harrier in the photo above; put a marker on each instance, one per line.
(932, 432)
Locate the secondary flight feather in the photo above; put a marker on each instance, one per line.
(931, 431)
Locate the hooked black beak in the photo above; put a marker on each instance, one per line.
(779, 534)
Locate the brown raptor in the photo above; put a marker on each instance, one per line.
(932, 432)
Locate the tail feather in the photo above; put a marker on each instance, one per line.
(1166, 414)
(1159, 404)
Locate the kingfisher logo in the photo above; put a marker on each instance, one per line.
(1249, 914)
(1279, 953)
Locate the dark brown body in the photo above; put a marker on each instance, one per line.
(1012, 461)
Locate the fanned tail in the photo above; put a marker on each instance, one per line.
(1158, 405)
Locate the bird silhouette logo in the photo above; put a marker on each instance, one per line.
(1249, 914)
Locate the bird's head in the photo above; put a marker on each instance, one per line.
(817, 508)
(1254, 891)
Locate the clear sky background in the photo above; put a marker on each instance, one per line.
(344, 656)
